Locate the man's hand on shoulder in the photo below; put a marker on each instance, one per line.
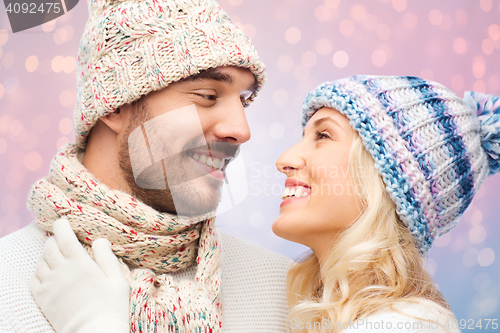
(77, 294)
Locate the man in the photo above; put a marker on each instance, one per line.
(162, 87)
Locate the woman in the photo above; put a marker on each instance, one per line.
(385, 166)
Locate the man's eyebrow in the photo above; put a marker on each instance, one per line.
(213, 74)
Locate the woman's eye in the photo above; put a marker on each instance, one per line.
(321, 135)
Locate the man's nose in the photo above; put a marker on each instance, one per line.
(232, 124)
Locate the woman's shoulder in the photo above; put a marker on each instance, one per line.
(405, 317)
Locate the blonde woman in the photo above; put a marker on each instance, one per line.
(385, 166)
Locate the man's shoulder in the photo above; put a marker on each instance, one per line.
(22, 248)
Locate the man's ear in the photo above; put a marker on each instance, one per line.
(116, 121)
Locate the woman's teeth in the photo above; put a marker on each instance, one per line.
(213, 162)
(291, 192)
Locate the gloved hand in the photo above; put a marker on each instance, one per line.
(77, 294)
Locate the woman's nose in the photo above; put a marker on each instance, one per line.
(291, 160)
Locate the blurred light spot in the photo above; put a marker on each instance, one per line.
(481, 281)
(49, 26)
(32, 161)
(427, 74)
(447, 23)
(10, 204)
(29, 141)
(332, 3)
(340, 59)
(477, 234)
(8, 60)
(17, 130)
(301, 72)
(431, 266)
(494, 32)
(358, 12)
(479, 86)
(470, 257)
(12, 222)
(309, 59)
(459, 45)
(462, 17)
(493, 82)
(370, 22)
(399, 5)
(65, 126)
(14, 179)
(322, 13)
(3, 146)
(347, 27)
(323, 46)
(443, 240)
(486, 5)
(458, 244)
(11, 84)
(66, 98)
(293, 35)
(285, 63)
(486, 257)
(435, 17)
(457, 82)
(257, 220)
(235, 3)
(4, 37)
(63, 35)
(478, 69)
(276, 130)
(57, 64)
(41, 123)
(2, 91)
(283, 13)
(70, 62)
(488, 46)
(61, 142)
(383, 32)
(1, 51)
(379, 58)
(410, 20)
(280, 97)
(476, 217)
(31, 63)
(250, 31)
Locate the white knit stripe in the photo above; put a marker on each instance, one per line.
(398, 146)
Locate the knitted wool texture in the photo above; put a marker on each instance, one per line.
(148, 243)
(130, 48)
(432, 148)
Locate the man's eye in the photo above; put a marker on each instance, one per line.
(209, 97)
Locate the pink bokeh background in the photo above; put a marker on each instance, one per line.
(303, 43)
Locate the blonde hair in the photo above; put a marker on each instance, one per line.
(372, 265)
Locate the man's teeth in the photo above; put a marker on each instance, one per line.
(213, 162)
(294, 193)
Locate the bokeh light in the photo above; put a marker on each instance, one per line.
(399, 5)
(4, 37)
(324, 46)
(410, 20)
(32, 160)
(293, 35)
(31, 63)
(347, 27)
(459, 45)
(276, 131)
(341, 59)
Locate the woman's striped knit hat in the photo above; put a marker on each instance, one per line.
(132, 47)
(432, 148)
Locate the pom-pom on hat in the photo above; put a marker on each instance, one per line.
(432, 148)
(132, 47)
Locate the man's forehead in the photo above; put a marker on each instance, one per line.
(222, 74)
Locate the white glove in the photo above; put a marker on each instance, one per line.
(77, 294)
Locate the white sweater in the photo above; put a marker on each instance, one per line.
(253, 285)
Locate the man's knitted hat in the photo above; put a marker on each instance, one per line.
(432, 148)
(133, 47)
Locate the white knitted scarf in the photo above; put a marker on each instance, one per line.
(149, 244)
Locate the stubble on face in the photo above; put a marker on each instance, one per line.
(189, 201)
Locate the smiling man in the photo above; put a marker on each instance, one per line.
(162, 87)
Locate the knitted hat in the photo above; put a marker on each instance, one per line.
(133, 47)
(432, 148)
